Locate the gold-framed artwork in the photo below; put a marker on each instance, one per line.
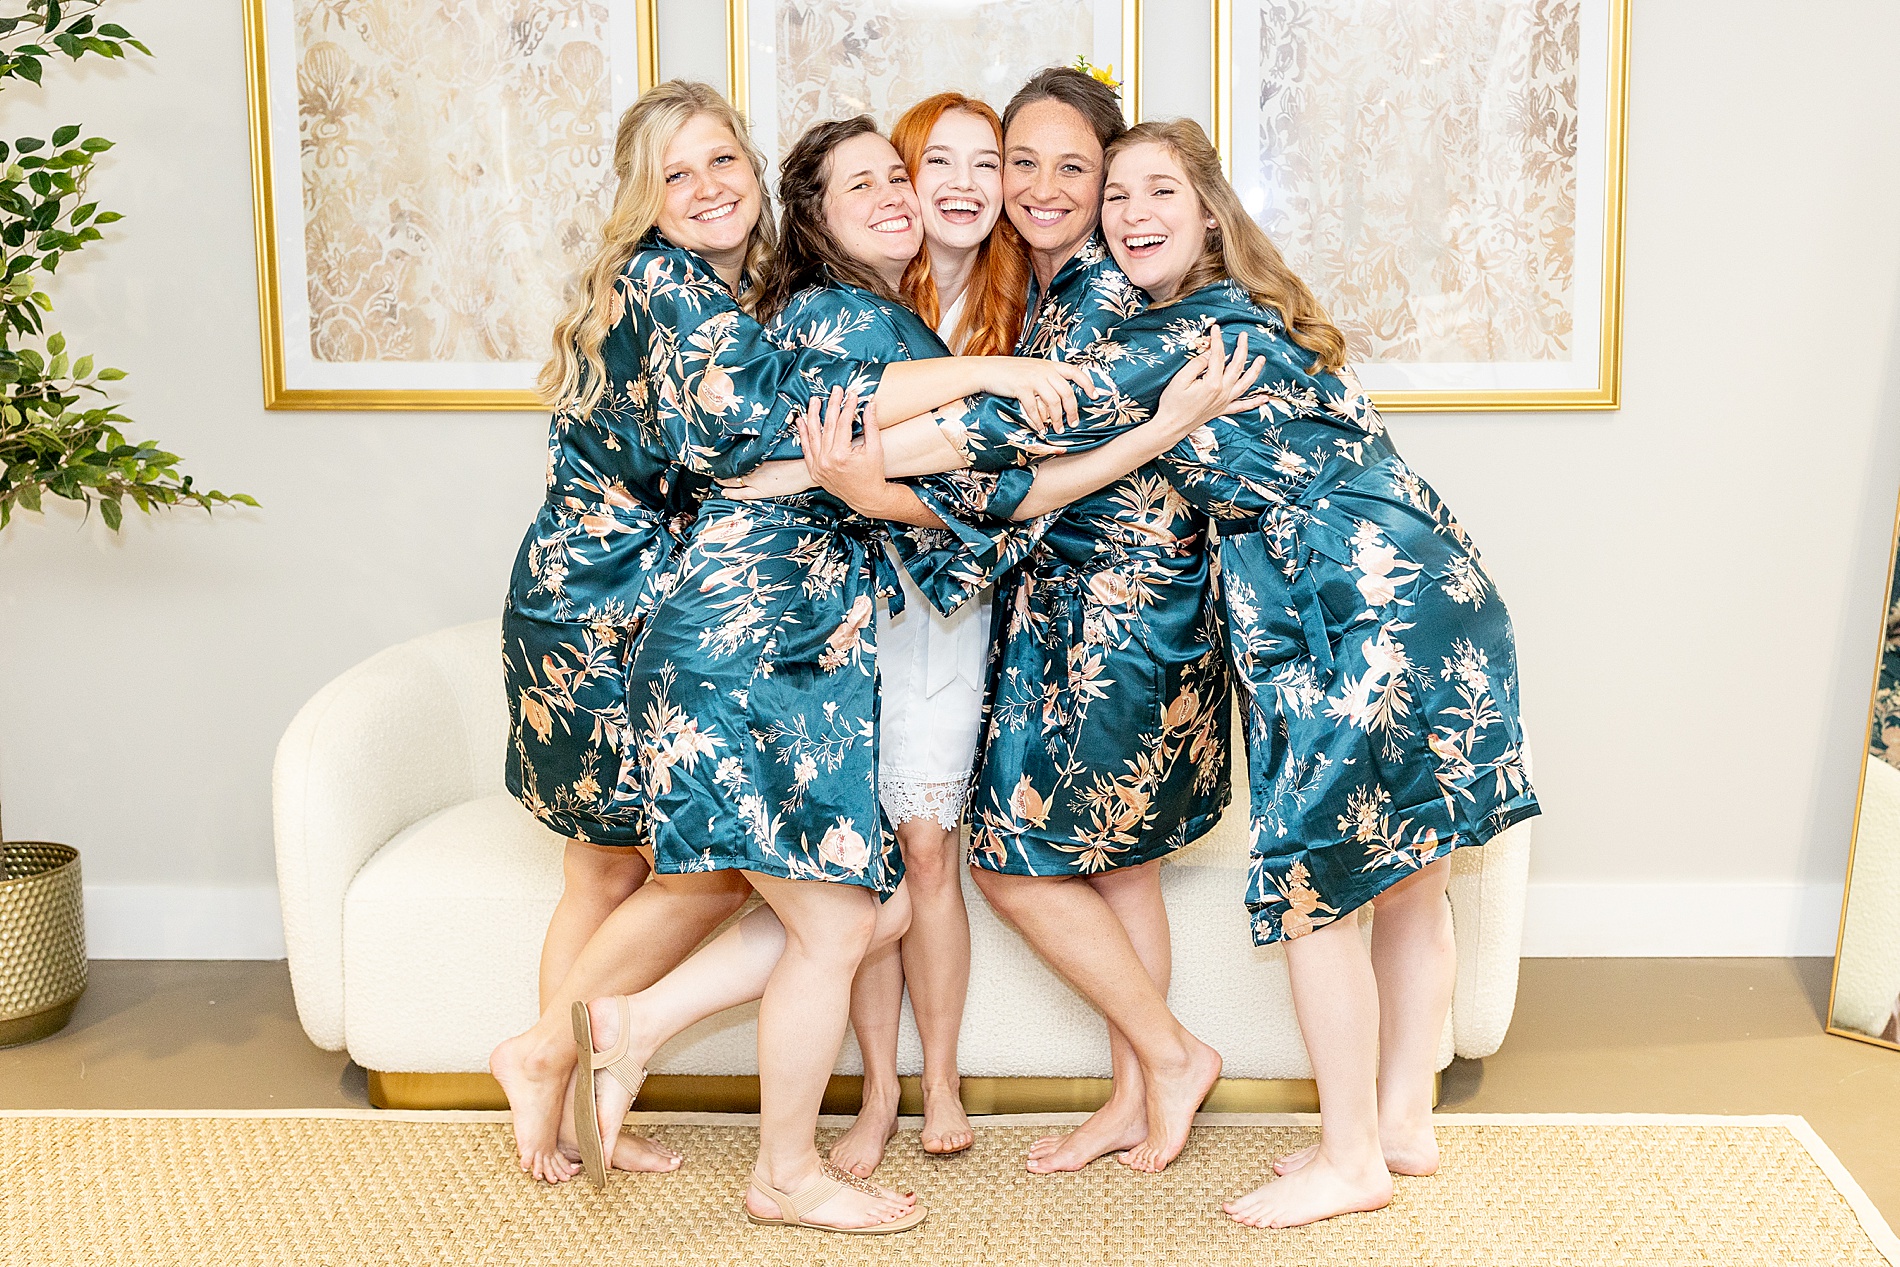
(426, 178)
(791, 63)
(1448, 176)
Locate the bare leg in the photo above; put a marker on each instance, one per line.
(1134, 894)
(1072, 926)
(594, 881)
(1337, 1001)
(1415, 962)
(877, 996)
(828, 928)
(936, 955)
(644, 937)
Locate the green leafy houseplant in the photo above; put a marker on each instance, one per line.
(60, 433)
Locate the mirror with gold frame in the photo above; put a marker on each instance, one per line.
(1866, 996)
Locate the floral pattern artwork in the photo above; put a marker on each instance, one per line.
(754, 693)
(1378, 663)
(1107, 739)
(456, 162)
(1418, 160)
(695, 390)
(838, 58)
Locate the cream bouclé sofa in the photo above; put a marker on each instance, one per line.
(416, 892)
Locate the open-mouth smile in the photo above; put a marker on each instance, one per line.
(1046, 215)
(720, 212)
(896, 224)
(1142, 245)
(959, 210)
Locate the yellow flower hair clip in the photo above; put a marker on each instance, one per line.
(1105, 74)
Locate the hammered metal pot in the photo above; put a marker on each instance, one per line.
(42, 939)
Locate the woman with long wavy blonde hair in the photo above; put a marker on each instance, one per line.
(1377, 660)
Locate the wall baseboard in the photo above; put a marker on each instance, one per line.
(127, 921)
(1561, 920)
(1716, 920)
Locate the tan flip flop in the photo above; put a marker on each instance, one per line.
(597, 1151)
(791, 1209)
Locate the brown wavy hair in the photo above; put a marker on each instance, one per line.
(575, 376)
(808, 254)
(1237, 248)
(998, 289)
(1082, 92)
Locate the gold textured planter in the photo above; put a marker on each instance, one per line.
(42, 939)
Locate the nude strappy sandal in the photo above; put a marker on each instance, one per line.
(791, 1208)
(597, 1152)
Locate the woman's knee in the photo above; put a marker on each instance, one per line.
(727, 890)
(1425, 889)
(601, 873)
(930, 855)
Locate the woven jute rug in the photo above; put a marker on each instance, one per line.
(442, 1189)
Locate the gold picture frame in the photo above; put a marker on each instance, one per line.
(1124, 57)
(266, 21)
(1860, 801)
(1612, 27)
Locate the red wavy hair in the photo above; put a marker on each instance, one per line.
(999, 282)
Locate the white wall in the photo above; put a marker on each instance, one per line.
(1695, 579)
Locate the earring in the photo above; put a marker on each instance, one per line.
(1212, 223)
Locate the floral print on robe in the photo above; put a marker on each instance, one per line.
(1378, 661)
(754, 691)
(692, 392)
(1107, 737)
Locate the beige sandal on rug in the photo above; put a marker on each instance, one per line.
(597, 1153)
(791, 1209)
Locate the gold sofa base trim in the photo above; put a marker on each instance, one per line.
(682, 1093)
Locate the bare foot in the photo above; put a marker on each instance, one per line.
(1408, 1151)
(1318, 1190)
(860, 1150)
(850, 1206)
(946, 1125)
(1121, 1123)
(535, 1081)
(638, 1153)
(1173, 1099)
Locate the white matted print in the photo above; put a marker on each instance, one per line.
(1447, 176)
(430, 175)
(797, 62)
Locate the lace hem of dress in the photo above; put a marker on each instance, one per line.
(905, 800)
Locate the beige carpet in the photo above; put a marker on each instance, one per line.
(441, 1189)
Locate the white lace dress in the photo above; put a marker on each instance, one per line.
(930, 714)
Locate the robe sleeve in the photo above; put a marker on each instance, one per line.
(718, 388)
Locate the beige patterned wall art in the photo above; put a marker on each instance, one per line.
(1437, 170)
(809, 60)
(439, 170)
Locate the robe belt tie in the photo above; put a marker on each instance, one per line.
(1323, 520)
(868, 537)
(873, 541)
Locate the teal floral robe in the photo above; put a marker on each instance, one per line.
(1377, 659)
(693, 387)
(754, 691)
(1107, 737)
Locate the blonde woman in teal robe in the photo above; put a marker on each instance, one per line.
(1378, 661)
(664, 382)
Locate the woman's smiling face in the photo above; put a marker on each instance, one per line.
(1154, 222)
(871, 207)
(959, 181)
(1052, 178)
(712, 195)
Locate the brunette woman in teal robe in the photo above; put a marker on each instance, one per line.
(1107, 743)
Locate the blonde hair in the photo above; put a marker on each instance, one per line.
(575, 377)
(1237, 248)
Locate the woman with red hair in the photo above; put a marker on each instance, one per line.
(970, 282)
